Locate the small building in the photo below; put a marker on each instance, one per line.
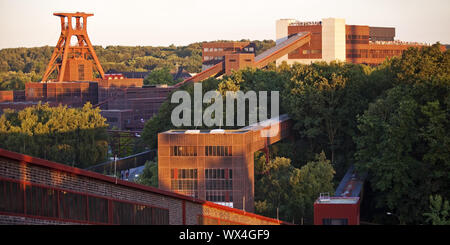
(344, 207)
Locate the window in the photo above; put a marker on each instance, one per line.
(183, 151)
(184, 181)
(224, 151)
(219, 185)
(81, 72)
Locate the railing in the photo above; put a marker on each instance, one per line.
(397, 42)
(307, 23)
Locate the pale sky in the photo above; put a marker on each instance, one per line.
(30, 23)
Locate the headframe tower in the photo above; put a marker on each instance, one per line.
(73, 62)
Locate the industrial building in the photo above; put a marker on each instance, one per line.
(216, 165)
(333, 40)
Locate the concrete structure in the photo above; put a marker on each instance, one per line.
(333, 40)
(344, 207)
(36, 191)
(216, 165)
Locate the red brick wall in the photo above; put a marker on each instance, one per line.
(37, 171)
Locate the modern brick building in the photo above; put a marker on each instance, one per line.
(216, 165)
(332, 39)
(36, 191)
(214, 52)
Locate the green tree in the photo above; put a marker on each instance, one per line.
(272, 189)
(76, 137)
(159, 76)
(403, 142)
(439, 211)
(149, 175)
(307, 183)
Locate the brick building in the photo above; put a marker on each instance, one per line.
(332, 39)
(214, 52)
(36, 191)
(216, 165)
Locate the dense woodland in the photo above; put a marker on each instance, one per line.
(390, 121)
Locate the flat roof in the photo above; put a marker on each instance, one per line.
(252, 127)
(338, 200)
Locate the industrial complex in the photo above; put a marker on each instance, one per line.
(205, 176)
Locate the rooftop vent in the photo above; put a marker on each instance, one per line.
(217, 131)
(192, 131)
(324, 197)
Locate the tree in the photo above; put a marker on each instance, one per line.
(149, 175)
(439, 211)
(403, 142)
(307, 183)
(76, 137)
(159, 76)
(272, 189)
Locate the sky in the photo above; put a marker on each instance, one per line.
(30, 23)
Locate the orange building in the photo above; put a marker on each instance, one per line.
(332, 39)
(216, 165)
(214, 52)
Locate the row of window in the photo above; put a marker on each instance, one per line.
(352, 41)
(184, 184)
(47, 202)
(209, 151)
(212, 49)
(313, 51)
(364, 53)
(190, 173)
(219, 184)
(219, 196)
(183, 151)
(224, 151)
(210, 173)
(213, 58)
(217, 173)
(358, 37)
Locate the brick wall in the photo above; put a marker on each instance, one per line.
(37, 171)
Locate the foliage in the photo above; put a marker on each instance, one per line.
(149, 175)
(404, 136)
(76, 137)
(439, 211)
(324, 100)
(291, 190)
(160, 76)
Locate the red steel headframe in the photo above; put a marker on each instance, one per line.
(63, 51)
